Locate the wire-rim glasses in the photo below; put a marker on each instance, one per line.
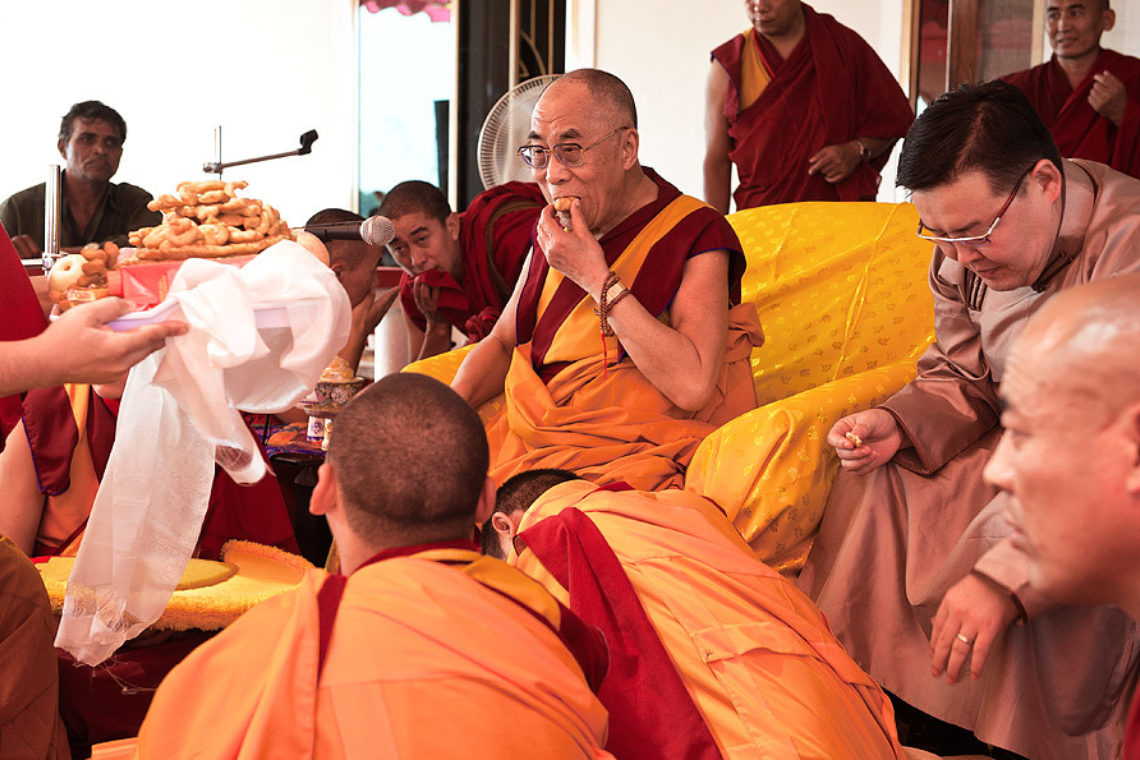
(976, 239)
(569, 154)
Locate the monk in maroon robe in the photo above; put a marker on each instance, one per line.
(803, 107)
(1088, 97)
(460, 269)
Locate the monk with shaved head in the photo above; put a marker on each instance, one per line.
(624, 344)
(1070, 455)
(1088, 96)
(404, 655)
(459, 268)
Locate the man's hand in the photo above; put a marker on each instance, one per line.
(27, 247)
(836, 162)
(575, 253)
(1108, 97)
(79, 347)
(427, 301)
(367, 314)
(974, 612)
(876, 437)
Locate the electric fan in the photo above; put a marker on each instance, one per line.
(505, 129)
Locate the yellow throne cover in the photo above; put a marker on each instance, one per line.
(842, 293)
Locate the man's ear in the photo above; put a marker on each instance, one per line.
(61, 145)
(1049, 178)
(630, 144)
(486, 505)
(451, 224)
(502, 524)
(1108, 20)
(324, 497)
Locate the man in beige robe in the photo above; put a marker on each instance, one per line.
(912, 565)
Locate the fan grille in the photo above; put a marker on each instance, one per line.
(505, 129)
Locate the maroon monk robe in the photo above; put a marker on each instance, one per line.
(1078, 130)
(652, 714)
(494, 238)
(655, 285)
(20, 317)
(831, 89)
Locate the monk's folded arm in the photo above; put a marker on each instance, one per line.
(876, 145)
(683, 360)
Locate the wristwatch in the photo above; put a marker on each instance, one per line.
(864, 151)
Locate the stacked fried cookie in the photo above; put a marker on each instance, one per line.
(82, 276)
(208, 220)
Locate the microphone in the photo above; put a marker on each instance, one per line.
(375, 230)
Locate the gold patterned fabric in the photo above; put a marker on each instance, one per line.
(842, 291)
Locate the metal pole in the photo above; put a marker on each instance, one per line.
(51, 218)
(218, 150)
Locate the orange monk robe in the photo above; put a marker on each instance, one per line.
(441, 653)
(577, 403)
(757, 658)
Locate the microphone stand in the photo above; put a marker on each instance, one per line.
(216, 167)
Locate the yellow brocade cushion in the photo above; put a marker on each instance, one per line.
(841, 289)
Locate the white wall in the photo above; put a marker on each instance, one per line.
(663, 56)
(265, 71)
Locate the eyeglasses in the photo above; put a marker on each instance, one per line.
(923, 233)
(570, 155)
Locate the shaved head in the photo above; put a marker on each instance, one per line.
(415, 197)
(1085, 344)
(611, 94)
(410, 458)
(1069, 456)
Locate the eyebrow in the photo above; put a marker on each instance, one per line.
(568, 134)
(418, 230)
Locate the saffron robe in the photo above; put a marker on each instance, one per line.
(495, 239)
(20, 317)
(577, 402)
(1078, 130)
(29, 718)
(892, 542)
(831, 89)
(435, 653)
(755, 656)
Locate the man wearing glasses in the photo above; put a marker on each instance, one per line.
(910, 515)
(620, 348)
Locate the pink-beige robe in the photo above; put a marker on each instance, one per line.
(892, 542)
